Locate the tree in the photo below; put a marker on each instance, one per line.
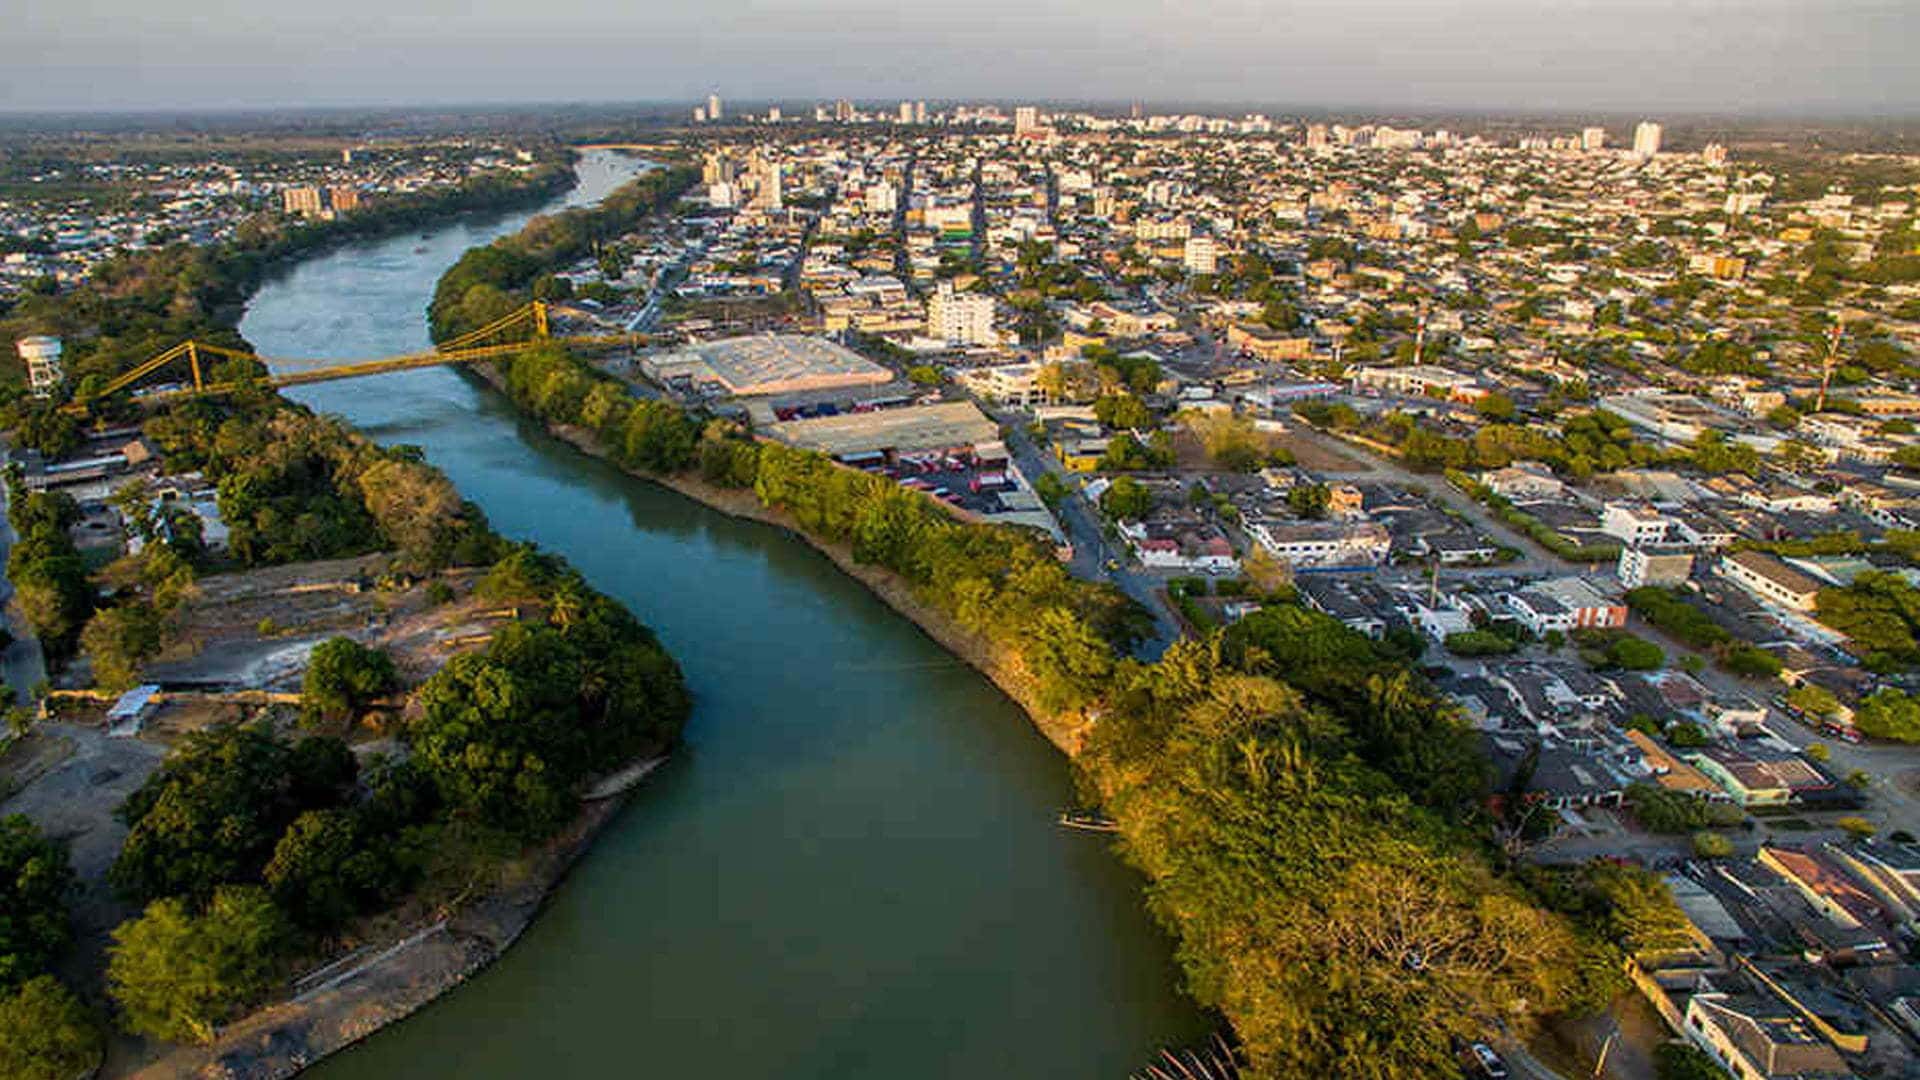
(1309, 500)
(1050, 488)
(1857, 828)
(213, 811)
(925, 375)
(1686, 735)
(1819, 752)
(1495, 406)
(119, 640)
(1711, 845)
(1127, 499)
(1635, 654)
(35, 878)
(1889, 714)
(1813, 700)
(343, 677)
(1123, 411)
(176, 975)
(46, 1033)
(1684, 1061)
(329, 867)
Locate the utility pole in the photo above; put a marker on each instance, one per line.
(1826, 366)
(1600, 1063)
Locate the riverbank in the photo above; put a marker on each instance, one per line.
(1001, 667)
(352, 998)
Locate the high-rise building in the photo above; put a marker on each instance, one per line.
(1714, 154)
(906, 112)
(302, 199)
(343, 198)
(41, 354)
(1200, 255)
(882, 198)
(713, 108)
(960, 318)
(1316, 136)
(1593, 138)
(1026, 118)
(843, 110)
(820, 114)
(1646, 139)
(919, 112)
(700, 114)
(773, 114)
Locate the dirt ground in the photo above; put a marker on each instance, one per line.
(1318, 458)
(255, 630)
(69, 778)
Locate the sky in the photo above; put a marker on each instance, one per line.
(1652, 56)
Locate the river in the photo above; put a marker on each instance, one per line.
(851, 869)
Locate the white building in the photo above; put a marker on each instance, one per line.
(1200, 255)
(1640, 566)
(1564, 604)
(959, 318)
(41, 354)
(1324, 543)
(1646, 139)
(713, 108)
(1638, 524)
(1593, 138)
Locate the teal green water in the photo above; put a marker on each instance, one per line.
(850, 870)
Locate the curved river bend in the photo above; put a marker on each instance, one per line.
(851, 870)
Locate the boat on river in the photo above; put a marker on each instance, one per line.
(1088, 821)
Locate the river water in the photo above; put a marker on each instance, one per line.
(850, 870)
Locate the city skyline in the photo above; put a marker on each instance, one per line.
(1776, 57)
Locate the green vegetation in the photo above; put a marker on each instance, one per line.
(1880, 614)
(1668, 610)
(1126, 499)
(48, 575)
(1301, 803)
(1538, 530)
(1479, 643)
(46, 1032)
(177, 974)
(34, 879)
(1889, 714)
(1813, 700)
(1684, 1061)
(343, 677)
(1663, 811)
(490, 282)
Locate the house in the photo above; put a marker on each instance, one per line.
(1771, 580)
(1564, 604)
(1639, 566)
(1638, 524)
(1669, 771)
(1757, 1037)
(1323, 543)
(1756, 780)
(1523, 481)
(1823, 886)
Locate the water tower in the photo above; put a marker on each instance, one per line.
(41, 354)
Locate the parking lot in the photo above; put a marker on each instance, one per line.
(960, 480)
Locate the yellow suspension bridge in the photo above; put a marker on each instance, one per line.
(502, 337)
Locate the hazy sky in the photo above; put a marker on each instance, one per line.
(1631, 55)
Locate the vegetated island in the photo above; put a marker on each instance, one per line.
(409, 727)
(1314, 820)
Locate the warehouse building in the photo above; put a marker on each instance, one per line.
(763, 365)
(919, 429)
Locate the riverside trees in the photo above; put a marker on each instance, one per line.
(1300, 801)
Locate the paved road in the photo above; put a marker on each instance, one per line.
(1533, 558)
(1091, 552)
